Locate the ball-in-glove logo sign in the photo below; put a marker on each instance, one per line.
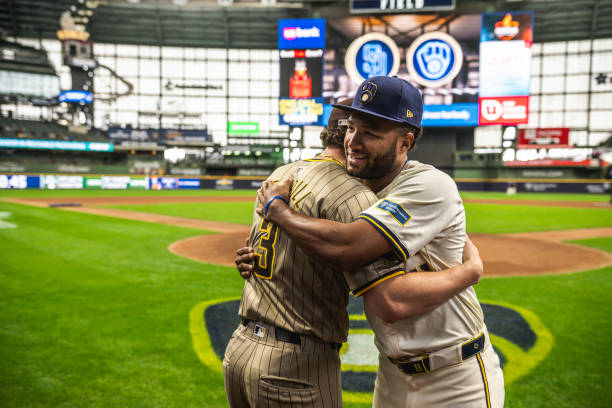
(434, 59)
(368, 90)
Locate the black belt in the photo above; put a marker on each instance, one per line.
(289, 337)
(421, 366)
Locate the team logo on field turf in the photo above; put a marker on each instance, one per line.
(519, 337)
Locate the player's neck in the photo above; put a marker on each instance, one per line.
(336, 153)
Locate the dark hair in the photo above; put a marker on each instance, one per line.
(417, 132)
(333, 137)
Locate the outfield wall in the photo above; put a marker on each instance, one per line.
(124, 182)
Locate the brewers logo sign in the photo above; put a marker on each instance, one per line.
(519, 337)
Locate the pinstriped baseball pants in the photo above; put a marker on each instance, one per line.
(260, 371)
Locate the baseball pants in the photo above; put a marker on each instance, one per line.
(476, 382)
(261, 371)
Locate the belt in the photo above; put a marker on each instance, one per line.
(422, 364)
(287, 336)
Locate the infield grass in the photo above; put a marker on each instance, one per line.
(96, 313)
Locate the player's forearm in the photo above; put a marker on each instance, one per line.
(416, 293)
(325, 241)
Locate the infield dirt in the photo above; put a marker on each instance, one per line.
(534, 253)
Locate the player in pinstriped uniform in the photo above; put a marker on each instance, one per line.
(442, 358)
(285, 351)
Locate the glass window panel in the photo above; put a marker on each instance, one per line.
(216, 54)
(216, 122)
(147, 103)
(536, 48)
(578, 64)
(260, 69)
(573, 46)
(127, 103)
(535, 84)
(239, 70)
(195, 106)
(125, 50)
(172, 68)
(237, 105)
(201, 53)
(124, 118)
(599, 120)
(258, 105)
(601, 100)
(190, 53)
(172, 52)
(149, 86)
(259, 88)
(578, 137)
(216, 69)
(553, 64)
(575, 102)
(602, 61)
(261, 55)
(577, 83)
(535, 66)
(195, 69)
(596, 138)
(554, 47)
(534, 103)
(551, 119)
(533, 119)
(127, 66)
(108, 61)
(215, 105)
(552, 84)
(552, 102)
(602, 44)
(149, 51)
(238, 88)
(575, 119)
(149, 67)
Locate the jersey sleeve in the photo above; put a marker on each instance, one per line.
(415, 211)
(367, 276)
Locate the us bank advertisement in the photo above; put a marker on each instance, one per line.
(301, 44)
(505, 67)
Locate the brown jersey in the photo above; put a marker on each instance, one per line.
(288, 289)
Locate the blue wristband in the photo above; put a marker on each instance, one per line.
(270, 202)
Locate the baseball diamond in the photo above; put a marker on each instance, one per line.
(314, 204)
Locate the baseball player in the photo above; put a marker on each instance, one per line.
(442, 357)
(294, 319)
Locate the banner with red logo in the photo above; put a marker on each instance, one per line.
(543, 138)
(505, 67)
(503, 110)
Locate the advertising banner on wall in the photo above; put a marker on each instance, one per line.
(442, 65)
(505, 67)
(543, 138)
(56, 145)
(158, 135)
(18, 181)
(301, 44)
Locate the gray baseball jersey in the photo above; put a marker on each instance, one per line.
(422, 215)
(291, 291)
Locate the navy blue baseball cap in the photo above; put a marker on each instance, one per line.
(390, 98)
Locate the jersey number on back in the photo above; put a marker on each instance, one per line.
(265, 253)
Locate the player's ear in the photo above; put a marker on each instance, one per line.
(406, 139)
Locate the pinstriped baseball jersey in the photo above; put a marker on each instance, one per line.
(422, 215)
(288, 289)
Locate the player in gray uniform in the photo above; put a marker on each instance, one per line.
(440, 358)
(285, 351)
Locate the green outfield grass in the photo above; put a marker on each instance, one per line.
(237, 213)
(124, 193)
(96, 312)
(595, 198)
(501, 219)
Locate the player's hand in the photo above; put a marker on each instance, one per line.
(471, 256)
(270, 189)
(244, 261)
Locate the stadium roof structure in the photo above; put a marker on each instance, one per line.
(252, 24)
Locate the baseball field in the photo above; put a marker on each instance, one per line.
(126, 299)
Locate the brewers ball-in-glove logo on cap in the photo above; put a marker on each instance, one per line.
(368, 90)
(390, 98)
